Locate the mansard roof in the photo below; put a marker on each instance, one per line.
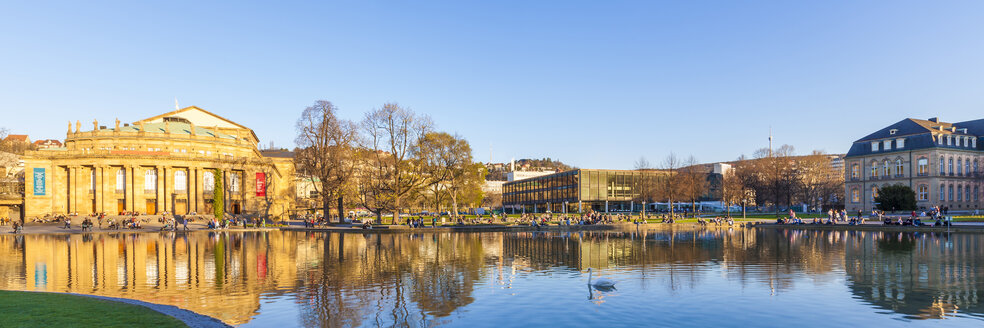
(918, 134)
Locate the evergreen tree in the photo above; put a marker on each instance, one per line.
(896, 198)
(218, 197)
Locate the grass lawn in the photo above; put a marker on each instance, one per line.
(968, 218)
(26, 309)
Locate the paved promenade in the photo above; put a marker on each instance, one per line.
(151, 224)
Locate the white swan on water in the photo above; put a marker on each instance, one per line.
(601, 282)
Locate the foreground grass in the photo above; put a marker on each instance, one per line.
(26, 309)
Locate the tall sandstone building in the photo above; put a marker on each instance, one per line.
(940, 161)
(168, 162)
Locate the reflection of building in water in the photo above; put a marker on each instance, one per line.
(215, 274)
(426, 279)
(919, 275)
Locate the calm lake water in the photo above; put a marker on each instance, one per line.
(679, 277)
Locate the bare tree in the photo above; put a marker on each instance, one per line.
(448, 165)
(738, 184)
(693, 181)
(393, 137)
(325, 154)
(778, 175)
(669, 188)
(815, 178)
(646, 185)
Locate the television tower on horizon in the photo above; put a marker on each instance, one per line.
(770, 141)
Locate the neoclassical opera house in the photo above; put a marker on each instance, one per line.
(164, 163)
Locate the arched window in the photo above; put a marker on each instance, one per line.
(886, 169)
(874, 193)
(967, 192)
(977, 195)
(180, 181)
(942, 192)
(950, 193)
(899, 170)
(874, 169)
(923, 166)
(234, 182)
(959, 166)
(959, 193)
(150, 181)
(942, 165)
(120, 181)
(208, 182)
(855, 196)
(855, 172)
(923, 192)
(949, 166)
(967, 167)
(976, 168)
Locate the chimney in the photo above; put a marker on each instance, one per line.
(934, 119)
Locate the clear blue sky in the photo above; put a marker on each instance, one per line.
(593, 83)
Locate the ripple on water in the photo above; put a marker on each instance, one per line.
(669, 277)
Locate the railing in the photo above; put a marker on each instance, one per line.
(11, 189)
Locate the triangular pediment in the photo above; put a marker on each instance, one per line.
(196, 116)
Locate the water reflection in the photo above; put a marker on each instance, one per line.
(426, 279)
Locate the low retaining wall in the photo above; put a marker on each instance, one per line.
(872, 227)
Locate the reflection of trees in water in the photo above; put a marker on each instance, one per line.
(920, 275)
(680, 257)
(425, 279)
(393, 279)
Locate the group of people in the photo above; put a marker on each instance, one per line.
(936, 213)
(716, 220)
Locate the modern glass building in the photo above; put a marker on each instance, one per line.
(579, 190)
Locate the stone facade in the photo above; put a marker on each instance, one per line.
(939, 161)
(164, 163)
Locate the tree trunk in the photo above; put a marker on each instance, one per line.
(326, 206)
(671, 207)
(454, 205)
(396, 211)
(341, 209)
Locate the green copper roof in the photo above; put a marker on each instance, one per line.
(175, 128)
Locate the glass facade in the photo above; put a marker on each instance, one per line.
(580, 190)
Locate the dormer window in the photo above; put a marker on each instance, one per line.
(874, 146)
(939, 139)
(949, 140)
(888, 144)
(900, 143)
(893, 131)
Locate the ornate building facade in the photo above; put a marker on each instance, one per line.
(169, 162)
(940, 161)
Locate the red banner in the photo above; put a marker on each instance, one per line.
(260, 184)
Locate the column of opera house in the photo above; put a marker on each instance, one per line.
(170, 162)
(940, 161)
